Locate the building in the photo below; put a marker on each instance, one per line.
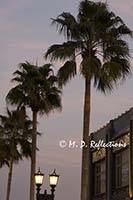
(111, 160)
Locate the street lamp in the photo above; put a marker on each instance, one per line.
(39, 180)
(53, 181)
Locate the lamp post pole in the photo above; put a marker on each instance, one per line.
(38, 192)
(52, 192)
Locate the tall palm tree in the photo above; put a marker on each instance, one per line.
(96, 36)
(37, 89)
(15, 141)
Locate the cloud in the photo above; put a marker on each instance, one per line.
(29, 45)
(3, 12)
(131, 63)
(105, 108)
(12, 6)
(7, 10)
(124, 7)
(7, 26)
(72, 156)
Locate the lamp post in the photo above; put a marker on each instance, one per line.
(53, 181)
(39, 181)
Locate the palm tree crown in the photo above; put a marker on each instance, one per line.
(36, 88)
(96, 35)
(15, 135)
(15, 141)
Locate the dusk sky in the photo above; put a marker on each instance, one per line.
(25, 34)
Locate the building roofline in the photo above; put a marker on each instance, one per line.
(113, 120)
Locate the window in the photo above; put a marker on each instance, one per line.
(121, 169)
(100, 177)
(118, 170)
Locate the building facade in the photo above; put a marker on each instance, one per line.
(111, 160)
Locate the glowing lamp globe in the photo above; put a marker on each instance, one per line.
(39, 178)
(53, 179)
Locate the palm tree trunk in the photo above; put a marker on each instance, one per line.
(33, 156)
(85, 150)
(9, 179)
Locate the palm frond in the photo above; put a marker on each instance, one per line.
(115, 48)
(15, 96)
(67, 72)
(62, 51)
(67, 24)
(111, 74)
(90, 66)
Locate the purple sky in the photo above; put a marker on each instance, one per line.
(25, 35)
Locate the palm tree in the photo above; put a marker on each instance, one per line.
(37, 89)
(15, 141)
(96, 36)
